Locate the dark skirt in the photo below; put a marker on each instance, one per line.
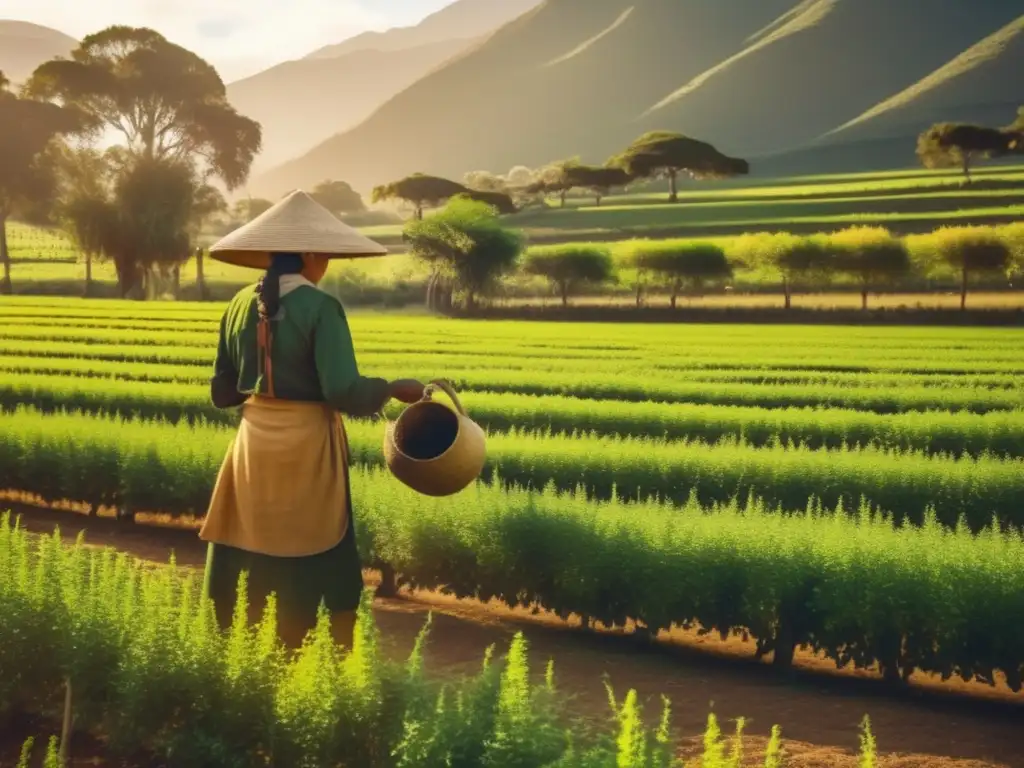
(300, 583)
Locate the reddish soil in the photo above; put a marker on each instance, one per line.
(928, 723)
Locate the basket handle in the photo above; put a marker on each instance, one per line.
(447, 388)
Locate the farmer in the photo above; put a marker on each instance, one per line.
(281, 508)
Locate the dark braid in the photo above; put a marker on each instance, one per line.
(268, 290)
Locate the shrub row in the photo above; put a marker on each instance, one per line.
(154, 675)
(854, 587)
(152, 465)
(121, 389)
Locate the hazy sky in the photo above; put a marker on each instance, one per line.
(239, 37)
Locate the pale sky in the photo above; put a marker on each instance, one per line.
(239, 37)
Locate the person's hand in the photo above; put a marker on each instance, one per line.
(406, 390)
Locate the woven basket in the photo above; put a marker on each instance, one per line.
(433, 449)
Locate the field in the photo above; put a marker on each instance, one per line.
(47, 261)
(814, 496)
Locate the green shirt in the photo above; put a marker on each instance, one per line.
(312, 355)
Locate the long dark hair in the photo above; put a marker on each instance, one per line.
(268, 290)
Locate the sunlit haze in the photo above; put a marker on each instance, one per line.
(239, 38)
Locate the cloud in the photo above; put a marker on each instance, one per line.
(238, 37)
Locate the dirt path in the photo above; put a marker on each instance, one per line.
(818, 709)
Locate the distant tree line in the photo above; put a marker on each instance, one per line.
(470, 253)
(656, 155)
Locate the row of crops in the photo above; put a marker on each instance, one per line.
(135, 661)
(853, 490)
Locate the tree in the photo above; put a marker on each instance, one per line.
(872, 255)
(484, 181)
(85, 209)
(419, 190)
(249, 208)
(969, 251)
(597, 179)
(554, 179)
(465, 244)
(207, 202)
(28, 173)
(568, 267)
(663, 154)
(796, 261)
(171, 109)
(947, 145)
(499, 200)
(683, 264)
(338, 197)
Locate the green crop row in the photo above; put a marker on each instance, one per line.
(513, 360)
(154, 677)
(83, 457)
(155, 392)
(854, 587)
(763, 368)
(58, 380)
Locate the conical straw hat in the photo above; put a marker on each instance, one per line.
(297, 224)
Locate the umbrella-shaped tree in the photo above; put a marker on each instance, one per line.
(661, 154)
(683, 264)
(419, 190)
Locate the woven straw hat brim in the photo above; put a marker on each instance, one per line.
(296, 224)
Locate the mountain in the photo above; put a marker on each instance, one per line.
(565, 78)
(982, 85)
(757, 78)
(302, 103)
(822, 64)
(24, 46)
(462, 19)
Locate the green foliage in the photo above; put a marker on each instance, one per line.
(467, 241)
(872, 255)
(338, 197)
(958, 144)
(568, 267)
(730, 566)
(166, 682)
(689, 264)
(662, 153)
(167, 102)
(419, 190)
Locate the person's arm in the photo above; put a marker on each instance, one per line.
(224, 383)
(340, 381)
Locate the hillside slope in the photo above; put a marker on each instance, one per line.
(563, 79)
(820, 66)
(982, 85)
(460, 20)
(302, 103)
(24, 46)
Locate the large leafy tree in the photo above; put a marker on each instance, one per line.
(466, 246)
(171, 110)
(338, 197)
(661, 154)
(419, 190)
(28, 178)
(946, 145)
